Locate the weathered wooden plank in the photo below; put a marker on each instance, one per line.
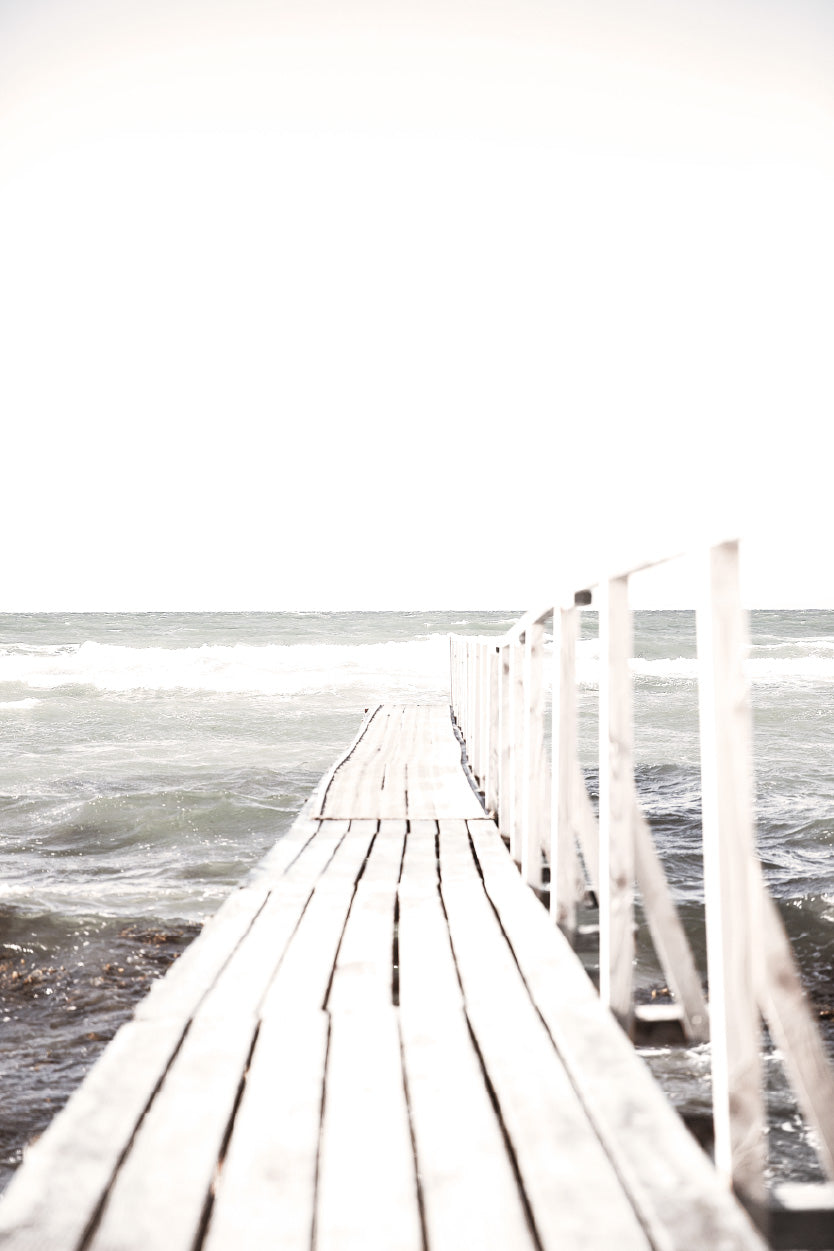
(575, 1197)
(419, 864)
(278, 859)
(354, 788)
(437, 785)
(302, 979)
(176, 1149)
(680, 1200)
(265, 1191)
(367, 1190)
(162, 1187)
(433, 794)
(392, 799)
(405, 744)
(370, 733)
(382, 869)
(54, 1197)
(733, 904)
(423, 788)
(418, 776)
(364, 974)
(356, 794)
(244, 980)
(205, 962)
(616, 803)
(469, 1191)
(191, 976)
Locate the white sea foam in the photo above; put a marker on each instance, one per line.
(18, 705)
(271, 669)
(795, 669)
(684, 668)
(418, 665)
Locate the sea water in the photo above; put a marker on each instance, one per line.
(147, 761)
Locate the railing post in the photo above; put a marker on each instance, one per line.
(470, 695)
(453, 676)
(616, 802)
(533, 815)
(467, 694)
(475, 718)
(564, 864)
(493, 756)
(733, 902)
(505, 742)
(483, 730)
(517, 739)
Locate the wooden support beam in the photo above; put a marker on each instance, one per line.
(796, 1034)
(668, 935)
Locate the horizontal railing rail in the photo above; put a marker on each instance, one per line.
(542, 807)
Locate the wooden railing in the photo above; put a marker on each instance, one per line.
(544, 810)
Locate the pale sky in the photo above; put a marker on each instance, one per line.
(415, 304)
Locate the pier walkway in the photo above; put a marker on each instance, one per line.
(381, 1042)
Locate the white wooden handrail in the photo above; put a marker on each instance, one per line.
(498, 695)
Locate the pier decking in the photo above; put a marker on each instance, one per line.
(381, 1042)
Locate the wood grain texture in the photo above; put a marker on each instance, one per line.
(535, 820)
(673, 1187)
(565, 878)
(733, 904)
(55, 1195)
(265, 1191)
(558, 1154)
(470, 1195)
(367, 1188)
(616, 803)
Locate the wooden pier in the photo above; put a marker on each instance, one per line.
(380, 1041)
(383, 1041)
